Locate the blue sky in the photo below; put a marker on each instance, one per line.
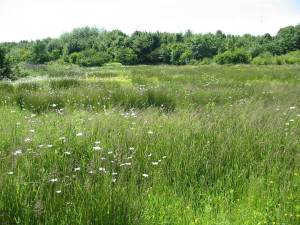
(33, 19)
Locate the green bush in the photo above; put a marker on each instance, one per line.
(5, 66)
(233, 57)
(269, 59)
(39, 53)
(91, 57)
(126, 56)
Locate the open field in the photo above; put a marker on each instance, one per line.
(151, 145)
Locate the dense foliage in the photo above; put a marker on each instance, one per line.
(93, 47)
(5, 67)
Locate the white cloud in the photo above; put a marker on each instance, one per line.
(32, 19)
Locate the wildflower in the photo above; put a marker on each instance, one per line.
(154, 163)
(114, 180)
(27, 140)
(101, 169)
(114, 173)
(18, 152)
(131, 148)
(150, 132)
(53, 180)
(12, 111)
(97, 142)
(10, 173)
(145, 175)
(67, 153)
(18, 123)
(62, 138)
(110, 152)
(31, 130)
(287, 124)
(128, 164)
(129, 157)
(91, 172)
(49, 146)
(291, 120)
(54, 105)
(58, 191)
(292, 107)
(79, 134)
(102, 158)
(40, 146)
(149, 155)
(76, 169)
(97, 148)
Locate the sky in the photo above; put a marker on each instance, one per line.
(36, 19)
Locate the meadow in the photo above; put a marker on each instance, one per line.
(149, 145)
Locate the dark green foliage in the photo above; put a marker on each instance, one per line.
(233, 57)
(5, 66)
(91, 57)
(89, 47)
(39, 53)
(126, 56)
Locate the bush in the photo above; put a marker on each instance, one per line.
(5, 66)
(263, 59)
(269, 59)
(92, 58)
(126, 56)
(39, 53)
(233, 57)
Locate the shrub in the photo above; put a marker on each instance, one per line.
(126, 56)
(263, 59)
(233, 57)
(5, 66)
(92, 58)
(269, 59)
(39, 53)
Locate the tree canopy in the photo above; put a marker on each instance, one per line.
(89, 46)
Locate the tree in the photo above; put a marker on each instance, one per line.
(143, 43)
(180, 54)
(5, 66)
(39, 53)
(126, 56)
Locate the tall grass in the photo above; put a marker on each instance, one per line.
(192, 145)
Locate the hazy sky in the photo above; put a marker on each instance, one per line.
(33, 19)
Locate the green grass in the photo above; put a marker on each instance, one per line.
(151, 145)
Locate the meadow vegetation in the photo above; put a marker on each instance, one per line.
(154, 145)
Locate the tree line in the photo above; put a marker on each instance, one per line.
(89, 46)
